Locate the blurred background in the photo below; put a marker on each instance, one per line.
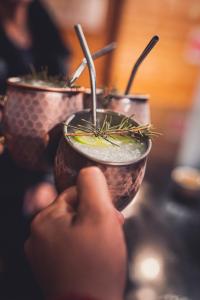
(162, 229)
(170, 74)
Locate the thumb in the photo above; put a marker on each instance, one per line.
(93, 193)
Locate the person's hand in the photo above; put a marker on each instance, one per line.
(77, 245)
(38, 197)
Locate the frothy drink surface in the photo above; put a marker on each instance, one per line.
(122, 149)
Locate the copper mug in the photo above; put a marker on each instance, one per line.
(136, 105)
(124, 179)
(87, 98)
(31, 117)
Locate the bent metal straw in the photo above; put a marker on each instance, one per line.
(144, 53)
(91, 67)
(95, 55)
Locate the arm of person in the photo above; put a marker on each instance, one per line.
(76, 247)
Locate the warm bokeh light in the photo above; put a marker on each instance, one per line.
(147, 267)
(150, 268)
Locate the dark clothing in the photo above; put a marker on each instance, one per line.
(47, 50)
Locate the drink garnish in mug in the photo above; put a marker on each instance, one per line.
(119, 143)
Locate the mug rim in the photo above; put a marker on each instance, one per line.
(16, 82)
(133, 97)
(131, 162)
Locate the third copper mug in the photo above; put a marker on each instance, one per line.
(136, 105)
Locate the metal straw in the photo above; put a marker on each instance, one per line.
(91, 68)
(145, 52)
(95, 55)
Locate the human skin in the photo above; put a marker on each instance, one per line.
(38, 197)
(77, 245)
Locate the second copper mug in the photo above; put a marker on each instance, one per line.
(124, 179)
(136, 105)
(30, 116)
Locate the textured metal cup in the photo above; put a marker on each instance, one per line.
(136, 105)
(124, 179)
(31, 116)
(87, 98)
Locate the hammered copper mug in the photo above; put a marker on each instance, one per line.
(30, 117)
(124, 179)
(136, 105)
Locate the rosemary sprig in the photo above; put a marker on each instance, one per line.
(106, 130)
(43, 75)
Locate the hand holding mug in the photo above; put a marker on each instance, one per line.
(77, 245)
